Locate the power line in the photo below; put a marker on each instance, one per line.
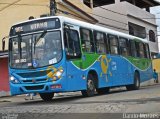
(15, 3)
(67, 13)
(9, 5)
(25, 4)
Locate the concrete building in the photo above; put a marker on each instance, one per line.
(129, 16)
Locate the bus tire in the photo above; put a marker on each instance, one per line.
(47, 96)
(136, 84)
(90, 91)
(101, 91)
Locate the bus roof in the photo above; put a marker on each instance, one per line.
(88, 25)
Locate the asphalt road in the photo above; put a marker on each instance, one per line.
(118, 101)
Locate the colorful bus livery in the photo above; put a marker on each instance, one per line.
(60, 54)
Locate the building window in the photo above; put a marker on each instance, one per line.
(131, 30)
(152, 36)
(87, 3)
(136, 30)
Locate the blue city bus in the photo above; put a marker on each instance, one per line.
(59, 54)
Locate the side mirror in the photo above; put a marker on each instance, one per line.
(3, 44)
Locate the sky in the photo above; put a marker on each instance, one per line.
(156, 11)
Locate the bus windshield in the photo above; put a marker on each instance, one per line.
(35, 50)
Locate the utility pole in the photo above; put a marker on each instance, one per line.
(91, 4)
(52, 7)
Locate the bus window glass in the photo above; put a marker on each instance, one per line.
(87, 40)
(24, 49)
(141, 50)
(100, 42)
(147, 55)
(113, 40)
(15, 51)
(33, 50)
(123, 46)
(133, 48)
(72, 44)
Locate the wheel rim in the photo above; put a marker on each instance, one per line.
(137, 82)
(90, 85)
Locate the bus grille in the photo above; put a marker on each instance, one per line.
(34, 87)
(37, 81)
(34, 74)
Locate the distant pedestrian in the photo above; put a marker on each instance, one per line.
(155, 76)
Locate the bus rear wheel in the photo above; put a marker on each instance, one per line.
(136, 84)
(102, 90)
(47, 96)
(90, 91)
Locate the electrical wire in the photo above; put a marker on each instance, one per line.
(104, 24)
(9, 5)
(15, 3)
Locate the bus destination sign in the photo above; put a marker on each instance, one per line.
(33, 26)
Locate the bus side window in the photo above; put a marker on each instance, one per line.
(113, 43)
(141, 49)
(87, 40)
(147, 55)
(133, 48)
(100, 42)
(123, 44)
(72, 44)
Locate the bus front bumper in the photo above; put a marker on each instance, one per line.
(17, 89)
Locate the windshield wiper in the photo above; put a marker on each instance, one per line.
(37, 39)
(41, 36)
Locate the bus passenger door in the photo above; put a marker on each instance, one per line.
(73, 56)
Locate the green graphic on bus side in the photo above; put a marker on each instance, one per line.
(86, 61)
(140, 63)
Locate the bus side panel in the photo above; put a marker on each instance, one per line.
(146, 75)
(75, 77)
(120, 70)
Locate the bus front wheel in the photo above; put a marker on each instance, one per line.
(136, 84)
(47, 96)
(90, 91)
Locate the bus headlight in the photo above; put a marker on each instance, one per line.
(58, 75)
(13, 80)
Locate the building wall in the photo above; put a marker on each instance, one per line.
(76, 10)
(4, 78)
(12, 12)
(116, 21)
(131, 14)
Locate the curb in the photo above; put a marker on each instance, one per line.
(5, 93)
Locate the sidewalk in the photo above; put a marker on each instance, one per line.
(148, 83)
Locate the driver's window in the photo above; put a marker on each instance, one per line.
(72, 44)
